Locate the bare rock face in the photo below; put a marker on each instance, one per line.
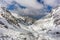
(25, 28)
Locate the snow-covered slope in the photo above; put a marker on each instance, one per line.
(49, 26)
(11, 26)
(16, 27)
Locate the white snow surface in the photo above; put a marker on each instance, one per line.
(47, 28)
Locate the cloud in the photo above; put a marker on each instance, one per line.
(34, 8)
(5, 3)
(27, 3)
(30, 3)
(52, 3)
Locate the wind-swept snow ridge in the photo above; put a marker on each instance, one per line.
(24, 28)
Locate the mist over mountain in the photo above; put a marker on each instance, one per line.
(32, 8)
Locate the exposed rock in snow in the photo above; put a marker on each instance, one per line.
(16, 27)
(11, 26)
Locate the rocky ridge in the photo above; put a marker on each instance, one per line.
(15, 28)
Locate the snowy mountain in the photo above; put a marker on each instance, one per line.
(17, 27)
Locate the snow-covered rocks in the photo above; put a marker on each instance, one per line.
(24, 28)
